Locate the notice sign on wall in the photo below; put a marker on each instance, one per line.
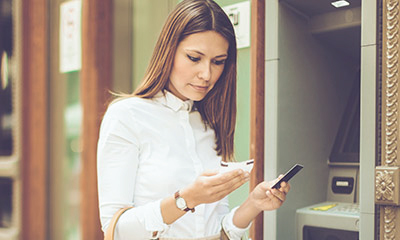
(239, 14)
(70, 36)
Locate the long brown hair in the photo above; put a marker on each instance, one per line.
(218, 108)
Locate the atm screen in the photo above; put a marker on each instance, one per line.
(346, 148)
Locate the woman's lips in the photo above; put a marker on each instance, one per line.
(199, 88)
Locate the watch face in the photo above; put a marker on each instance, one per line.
(180, 203)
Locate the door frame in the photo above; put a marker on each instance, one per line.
(96, 82)
(257, 101)
(387, 171)
(34, 134)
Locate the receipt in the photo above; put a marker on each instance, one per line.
(229, 166)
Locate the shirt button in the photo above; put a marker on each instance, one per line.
(186, 106)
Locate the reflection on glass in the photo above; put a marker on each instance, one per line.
(6, 123)
(5, 202)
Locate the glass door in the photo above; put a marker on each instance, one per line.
(65, 113)
(10, 192)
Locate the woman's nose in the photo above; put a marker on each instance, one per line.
(205, 72)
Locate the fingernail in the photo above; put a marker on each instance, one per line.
(268, 193)
(246, 174)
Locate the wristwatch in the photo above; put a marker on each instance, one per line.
(181, 203)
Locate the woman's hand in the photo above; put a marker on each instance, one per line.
(212, 186)
(266, 198)
(262, 198)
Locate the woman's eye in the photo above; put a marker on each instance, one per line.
(219, 62)
(193, 59)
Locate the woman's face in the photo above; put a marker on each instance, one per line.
(199, 62)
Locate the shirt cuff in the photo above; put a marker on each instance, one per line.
(144, 222)
(153, 219)
(233, 232)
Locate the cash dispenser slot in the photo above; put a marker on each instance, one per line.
(342, 185)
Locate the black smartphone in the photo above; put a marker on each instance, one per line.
(295, 169)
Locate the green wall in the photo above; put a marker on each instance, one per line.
(148, 17)
(242, 136)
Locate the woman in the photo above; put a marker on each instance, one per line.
(160, 148)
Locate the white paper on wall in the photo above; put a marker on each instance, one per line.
(70, 36)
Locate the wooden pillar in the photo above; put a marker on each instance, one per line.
(96, 79)
(34, 139)
(257, 79)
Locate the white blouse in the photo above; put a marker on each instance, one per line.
(147, 150)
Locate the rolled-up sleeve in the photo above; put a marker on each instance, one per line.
(233, 232)
(117, 164)
(226, 220)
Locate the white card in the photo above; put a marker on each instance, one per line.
(229, 166)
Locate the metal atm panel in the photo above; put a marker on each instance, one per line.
(338, 218)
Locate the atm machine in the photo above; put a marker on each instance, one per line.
(338, 217)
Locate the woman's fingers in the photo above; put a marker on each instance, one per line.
(209, 173)
(228, 187)
(228, 176)
(285, 187)
(223, 184)
(267, 198)
(278, 194)
(211, 186)
(221, 181)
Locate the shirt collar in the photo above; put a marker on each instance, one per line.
(170, 100)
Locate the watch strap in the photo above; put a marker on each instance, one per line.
(177, 195)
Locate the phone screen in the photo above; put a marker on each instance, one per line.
(293, 171)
